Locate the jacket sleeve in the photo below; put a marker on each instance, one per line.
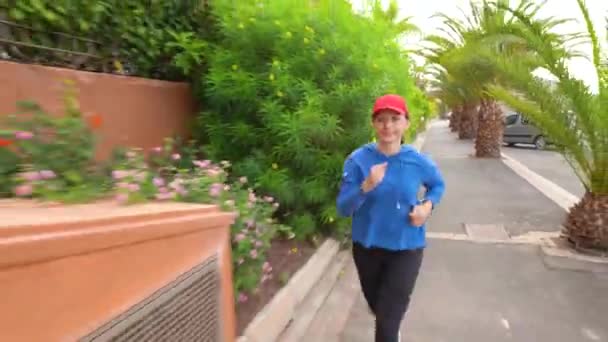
(350, 197)
(433, 181)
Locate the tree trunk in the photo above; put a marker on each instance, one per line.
(489, 134)
(466, 129)
(586, 226)
(455, 118)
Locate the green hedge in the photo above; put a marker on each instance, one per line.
(135, 37)
(288, 95)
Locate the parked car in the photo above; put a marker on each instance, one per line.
(519, 131)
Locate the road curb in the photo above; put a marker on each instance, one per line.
(314, 304)
(421, 136)
(562, 198)
(551, 190)
(270, 322)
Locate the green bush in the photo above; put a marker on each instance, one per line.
(288, 95)
(50, 157)
(135, 37)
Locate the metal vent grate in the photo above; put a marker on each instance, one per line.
(185, 310)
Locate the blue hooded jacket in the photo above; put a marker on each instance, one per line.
(380, 218)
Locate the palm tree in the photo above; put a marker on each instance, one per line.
(448, 88)
(403, 26)
(569, 114)
(467, 56)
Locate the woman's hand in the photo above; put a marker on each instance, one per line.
(421, 213)
(376, 175)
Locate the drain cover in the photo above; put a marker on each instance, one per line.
(486, 231)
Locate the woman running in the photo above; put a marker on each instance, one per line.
(379, 190)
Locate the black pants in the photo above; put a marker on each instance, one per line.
(387, 279)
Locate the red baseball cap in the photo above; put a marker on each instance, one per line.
(392, 102)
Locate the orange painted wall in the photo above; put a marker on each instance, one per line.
(136, 112)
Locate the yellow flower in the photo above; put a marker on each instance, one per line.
(241, 26)
(306, 40)
(275, 166)
(252, 20)
(275, 62)
(279, 94)
(235, 67)
(288, 34)
(309, 29)
(331, 219)
(278, 23)
(271, 77)
(322, 51)
(118, 66)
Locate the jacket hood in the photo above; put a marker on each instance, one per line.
(405, 149)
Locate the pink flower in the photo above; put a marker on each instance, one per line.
(250, 223)
(176, 156)
(157, 149)
(165, 196)
(122, 185)
(213, 172)
(215, 189)
(133, 187)
(266, 267)
(158, 182)
(239, 237)
(243, 180)
(268, 199)
(176, 184)
(31, 176)
(253, 254)
(23, 135)
(121, 198)
(131, 154)
(259, 243)
(47, 174)
(241, 261)
(120, 174)
(226, 187)
(243, 298)
(202, 164)
(276, 205)
(163, 190)
(23, 190)
(252, 197)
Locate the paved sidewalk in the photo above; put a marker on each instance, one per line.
(484, 191)
(480, 292)
(483, 292)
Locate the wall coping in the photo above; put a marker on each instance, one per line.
(36, 233)
(76, 72)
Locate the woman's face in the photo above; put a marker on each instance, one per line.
(389, 126)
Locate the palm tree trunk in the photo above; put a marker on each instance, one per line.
(586, 226)
(489, 134)
(455, 118)
(466, 129)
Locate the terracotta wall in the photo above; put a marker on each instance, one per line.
(136, 112)
(66, 271)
